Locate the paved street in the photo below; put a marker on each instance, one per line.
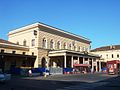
(64, 82)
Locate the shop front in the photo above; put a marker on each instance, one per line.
(113, 67)
(72, 61)
(9, 61)
(82, 68)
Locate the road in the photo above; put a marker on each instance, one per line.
(64, 82)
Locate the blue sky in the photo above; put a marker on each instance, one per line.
(98, 20)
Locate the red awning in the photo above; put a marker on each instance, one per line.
(113, 62)
(81, 65)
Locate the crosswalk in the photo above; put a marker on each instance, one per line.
(84, 86)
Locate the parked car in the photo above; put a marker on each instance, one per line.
(4, 77)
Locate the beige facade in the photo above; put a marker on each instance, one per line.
(13, 55)
(107, 53)
(43, 39)
(9, 48)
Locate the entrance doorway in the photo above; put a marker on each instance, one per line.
(43, 63)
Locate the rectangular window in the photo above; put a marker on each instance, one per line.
(107, 56)
(33, 42)
(117, 55)
(112, 56)
(2, 51)
(32, 53)
(35, 32)
(13, 52)
(23, 53)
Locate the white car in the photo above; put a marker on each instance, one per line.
(4, 77)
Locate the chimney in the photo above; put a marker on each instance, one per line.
(112, 47)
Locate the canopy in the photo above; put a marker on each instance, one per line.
(81, 65)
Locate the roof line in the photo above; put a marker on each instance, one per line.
(49, 26)
(65, 31)
(108, 47)
(14, 45)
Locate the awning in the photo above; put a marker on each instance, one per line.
(81, 65)
(17, 55)
(71, 53)
(113, 61)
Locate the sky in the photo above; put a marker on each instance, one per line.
(97, 20)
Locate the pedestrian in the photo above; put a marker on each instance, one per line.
(30, 72)
(73, 71)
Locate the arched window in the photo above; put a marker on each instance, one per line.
(58, 45)
(75, 48)
(86, 49)
(44, 43)
(52, 44)
(79, 49)
(65, 45)
(70, 46)
(83, 48)
(24, 42)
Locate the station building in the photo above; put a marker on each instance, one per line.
(54, 47)
(107, 53)
(13, 55)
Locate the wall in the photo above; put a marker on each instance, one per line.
(106, 58)
(6, 50)
(62, 39)
(27, 34)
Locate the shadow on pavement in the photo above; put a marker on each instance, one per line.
(21, 83)
(111, 84)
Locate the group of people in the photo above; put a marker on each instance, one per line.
(81, 70)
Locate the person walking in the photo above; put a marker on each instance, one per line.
(30, 72)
